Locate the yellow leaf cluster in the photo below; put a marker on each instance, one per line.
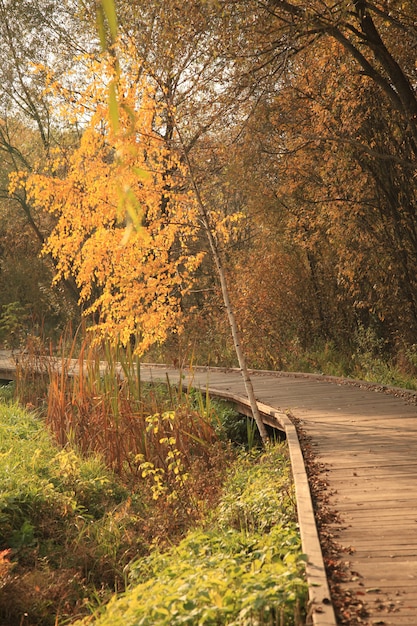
(124, 222)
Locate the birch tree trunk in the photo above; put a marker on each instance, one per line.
(217, 258)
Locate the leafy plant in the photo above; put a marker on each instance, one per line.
(252, 504)
(13, 324)
(54, 507)
(7, 392)
(229, 571)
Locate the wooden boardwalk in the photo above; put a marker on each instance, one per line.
(367, 443)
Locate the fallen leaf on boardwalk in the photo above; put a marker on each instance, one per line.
(349, 610)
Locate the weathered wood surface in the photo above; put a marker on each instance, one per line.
(367, 443)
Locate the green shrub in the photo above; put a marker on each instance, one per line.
(42, 484)
(243, 567)
(259, 495)
(229, 424)
(13, 324)
(7, 391)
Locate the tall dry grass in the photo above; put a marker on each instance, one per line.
(98, 403)
(161, 440)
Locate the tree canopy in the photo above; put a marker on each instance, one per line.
(298, 123)
(124, 219)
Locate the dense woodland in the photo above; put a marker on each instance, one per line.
(291, 123)
(168, 169)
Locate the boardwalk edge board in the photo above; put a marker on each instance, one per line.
(321, 607)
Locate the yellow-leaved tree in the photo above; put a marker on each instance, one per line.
(125, 223)
(128, 204)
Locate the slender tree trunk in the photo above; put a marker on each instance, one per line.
(217, 258)
(236, 336)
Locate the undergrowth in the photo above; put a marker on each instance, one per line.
(369, 361)
(242, 566)
(53, 508)
(72, 533)
(69, 525)
(115, 490)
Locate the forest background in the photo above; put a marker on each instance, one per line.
(293, 123)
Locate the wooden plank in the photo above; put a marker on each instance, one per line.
(319, 593)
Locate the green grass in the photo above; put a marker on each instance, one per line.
(39, 479)
(54, 510)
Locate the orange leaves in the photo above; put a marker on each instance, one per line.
(124, 223)
(5, 566)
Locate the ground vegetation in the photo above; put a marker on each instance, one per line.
(123, 487)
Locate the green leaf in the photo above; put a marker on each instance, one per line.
(133, 209)
(109, 8)
(141, 173)
(101, 28)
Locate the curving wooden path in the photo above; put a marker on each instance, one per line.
(366, 442)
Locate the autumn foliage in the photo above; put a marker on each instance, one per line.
(124, 219)
(298, 122)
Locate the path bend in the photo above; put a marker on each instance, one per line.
(366, 443)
